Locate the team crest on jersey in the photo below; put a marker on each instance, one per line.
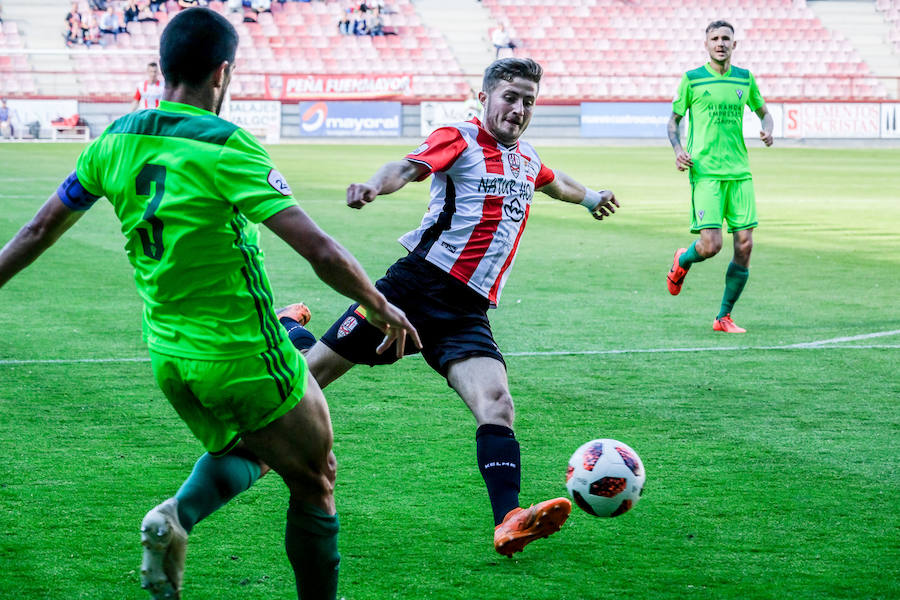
(740, 93)
(347, 326)
(514, 163)
(420, 149)
(277, 181)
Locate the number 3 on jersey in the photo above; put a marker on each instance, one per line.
(152, 239)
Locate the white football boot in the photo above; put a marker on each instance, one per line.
(165, 546)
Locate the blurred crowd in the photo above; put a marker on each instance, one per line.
(103, 21)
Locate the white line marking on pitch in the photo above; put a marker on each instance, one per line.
(832, 343)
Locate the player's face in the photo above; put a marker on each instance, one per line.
(508, 108)
(720, 44)
(152, 73)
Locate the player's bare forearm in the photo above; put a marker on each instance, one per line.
(387, 180)
(767, 124)
(335, 266)
(394, 175)
(563, 187)
(673, 131)
(683, 160)
(50, 222)
(332, 263)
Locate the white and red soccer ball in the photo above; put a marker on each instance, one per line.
(605, 477)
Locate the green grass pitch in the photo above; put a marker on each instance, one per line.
(772, 457)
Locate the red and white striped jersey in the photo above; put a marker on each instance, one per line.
(481, 195)
(149, 94)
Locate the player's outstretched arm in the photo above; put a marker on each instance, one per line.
(767, 124)
(387, 180)
(599, 204)
(338, 268)
(52, 220)
(683, 160)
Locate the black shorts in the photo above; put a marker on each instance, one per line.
(450, 317)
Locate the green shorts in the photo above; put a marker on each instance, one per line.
(715, 200)
(221, 399)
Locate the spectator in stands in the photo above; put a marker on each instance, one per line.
(190, 3)
(359, 22)
(6, 127)
(73, 16)
(259, 6)
(130, 11)
(145, 13)
(158, 5)
(149, 91)
(500, 38)
(90, 30)
(235, 5)
(97, 5)
(73, 34)
(376, 23)
(109, 23)
(343, 23)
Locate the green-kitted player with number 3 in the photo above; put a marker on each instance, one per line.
(189, 188)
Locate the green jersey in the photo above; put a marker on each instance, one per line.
(189, 188)
(716, 129)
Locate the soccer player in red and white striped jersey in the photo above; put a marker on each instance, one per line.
(148, 93)
(483, 181)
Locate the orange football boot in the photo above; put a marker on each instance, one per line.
(521, 526)
(675, 276)
(298, 312)
(727, 325)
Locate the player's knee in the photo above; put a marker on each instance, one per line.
(500, 409)
(713, 247)
(313, 481)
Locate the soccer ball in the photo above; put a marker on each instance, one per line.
(605, 478)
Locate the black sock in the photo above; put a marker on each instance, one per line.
(498, 460)
(300, 335)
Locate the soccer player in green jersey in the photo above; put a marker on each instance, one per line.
(189, 188)
(716, 157)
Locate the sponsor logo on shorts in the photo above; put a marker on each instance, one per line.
(347, 326)
(449, 247)
(277, 181)
(700, 214)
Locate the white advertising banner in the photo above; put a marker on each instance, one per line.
(832, 120)
(438, 114)
(890, 120)
(23, 112)
(261, 118)
(752, 125)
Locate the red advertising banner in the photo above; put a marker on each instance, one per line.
(336, 87)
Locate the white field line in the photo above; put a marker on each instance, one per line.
(832, 343)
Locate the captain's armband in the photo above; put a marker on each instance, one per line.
(73, 194)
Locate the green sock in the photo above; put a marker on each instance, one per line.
(213, 482)
(735, 278)
(311, 543)
(690, 257)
